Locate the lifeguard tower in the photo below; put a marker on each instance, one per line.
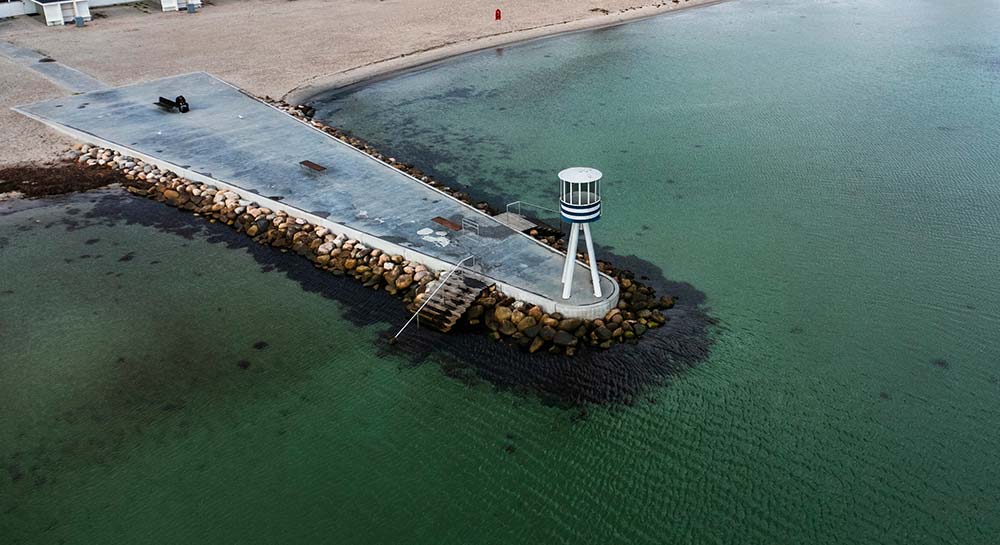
(580, 205)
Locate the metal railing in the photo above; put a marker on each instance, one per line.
(552, 220)
(531, 205)
(470, 224)
(441, 283)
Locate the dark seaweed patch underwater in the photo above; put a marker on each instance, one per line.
(618, 376)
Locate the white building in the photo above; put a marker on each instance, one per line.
(59, 12)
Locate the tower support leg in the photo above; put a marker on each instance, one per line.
(593, 260)
(566, 264)
(574, 239)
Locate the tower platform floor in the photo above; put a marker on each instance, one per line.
(232, 140)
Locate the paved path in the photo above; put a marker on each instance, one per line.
(233, 138)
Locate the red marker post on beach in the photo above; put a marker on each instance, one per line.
(497, 16)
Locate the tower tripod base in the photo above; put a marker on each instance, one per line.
(569, 266)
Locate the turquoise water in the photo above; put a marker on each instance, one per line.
(828, 174)
(824, 172)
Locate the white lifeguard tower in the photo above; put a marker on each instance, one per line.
(580, 205)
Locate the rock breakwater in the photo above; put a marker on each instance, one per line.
(499, 316)
(639, 308)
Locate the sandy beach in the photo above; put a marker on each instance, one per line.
(280, 49)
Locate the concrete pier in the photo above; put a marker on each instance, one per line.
(234, 141)
(64, 76)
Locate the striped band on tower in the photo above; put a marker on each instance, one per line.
(580, 213)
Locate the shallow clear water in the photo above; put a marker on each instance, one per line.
(825, 172)
(828, 173)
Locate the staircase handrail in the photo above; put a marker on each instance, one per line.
(444, 280)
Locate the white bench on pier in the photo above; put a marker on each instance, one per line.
(60, 12)
(177, 5)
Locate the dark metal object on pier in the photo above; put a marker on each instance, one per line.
(180, 103)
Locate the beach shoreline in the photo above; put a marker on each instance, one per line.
(305, 48)
(389, 67)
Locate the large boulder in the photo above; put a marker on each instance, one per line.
(404, 281)
(526, 322)
(564, 338)
(508, 328)
(532, 331)
(550, 321)
(502, 314)
(570, 324)
(475, 312)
